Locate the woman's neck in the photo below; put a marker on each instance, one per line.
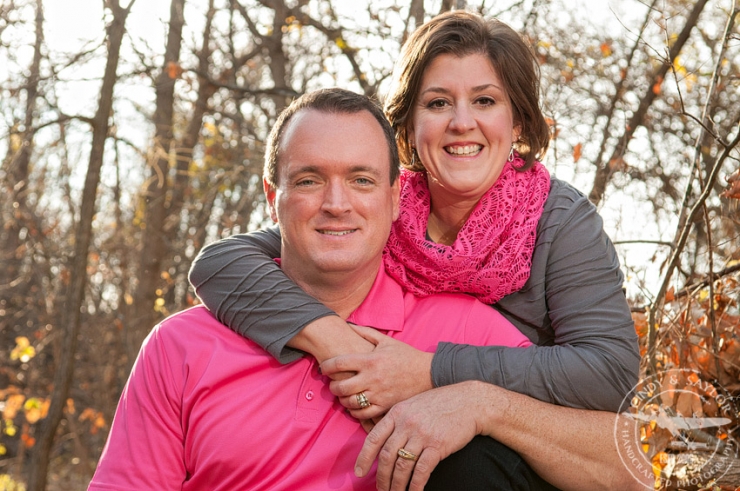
(447, 218)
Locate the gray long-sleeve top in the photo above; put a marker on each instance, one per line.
(573, 308)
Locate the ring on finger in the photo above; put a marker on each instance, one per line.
(405, 454)
(362, 400)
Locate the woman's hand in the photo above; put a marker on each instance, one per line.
(392, 372)
(432, 426)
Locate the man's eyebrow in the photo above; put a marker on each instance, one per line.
(312, 169)
(365, 168)
(306, 169)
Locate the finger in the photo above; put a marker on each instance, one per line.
(370, 334)
(367, 425)
(427, 462)
(372, 446)
(390, 473)
(371, 412)
(353, 402)
(342, 363)
(347, 387)
(341, 375)
(402, 470)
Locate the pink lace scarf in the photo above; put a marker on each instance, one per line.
(492, 254)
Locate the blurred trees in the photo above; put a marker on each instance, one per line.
(642, 117)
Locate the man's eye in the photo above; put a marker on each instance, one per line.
(305, 182)
(364, 181)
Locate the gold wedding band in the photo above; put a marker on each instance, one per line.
(405, 454)
(362, 400)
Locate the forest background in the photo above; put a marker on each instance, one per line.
(132, 134)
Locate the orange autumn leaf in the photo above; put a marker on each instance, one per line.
(641, 325)
(28, 440)
(617, 163)
(657, 86)
(98, 423)
(36, 409)
(689, 404)
(10, 390)
(577, 152)
(733, 186)
(670, 295)
(87, 414)
(174, 70)
(12, 405)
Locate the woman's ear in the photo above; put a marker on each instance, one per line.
(516, 132)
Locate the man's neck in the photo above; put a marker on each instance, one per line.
(341, 292)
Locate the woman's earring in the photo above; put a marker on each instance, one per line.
(413, 157)
(511, 154)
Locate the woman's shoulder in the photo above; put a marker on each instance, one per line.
(564, 202)
(563, 194)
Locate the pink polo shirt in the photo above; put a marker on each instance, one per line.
(205, 409)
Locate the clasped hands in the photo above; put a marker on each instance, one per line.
(405, 411)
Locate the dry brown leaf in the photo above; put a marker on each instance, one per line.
(577, 152)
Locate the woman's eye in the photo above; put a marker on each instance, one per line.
(437, 103)
(486, 101)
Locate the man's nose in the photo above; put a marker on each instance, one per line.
(336, 199)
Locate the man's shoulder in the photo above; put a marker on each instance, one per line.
(194, 317)
(190, 326)
(448, 305)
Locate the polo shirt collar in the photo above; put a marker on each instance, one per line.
(383, 308)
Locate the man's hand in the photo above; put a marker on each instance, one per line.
(328, 337)
(391, 373)
(432, 425)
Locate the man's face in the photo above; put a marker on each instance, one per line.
(333, 201)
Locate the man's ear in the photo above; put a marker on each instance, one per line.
(396, 196)
(270, 194)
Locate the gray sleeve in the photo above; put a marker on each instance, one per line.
(573, 301)
(240, 283)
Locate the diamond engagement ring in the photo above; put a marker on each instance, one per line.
(362, 400)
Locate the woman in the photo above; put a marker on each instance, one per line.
(480, 215)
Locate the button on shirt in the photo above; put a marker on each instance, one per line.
(207, 409)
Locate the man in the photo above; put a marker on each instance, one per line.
(207, 409)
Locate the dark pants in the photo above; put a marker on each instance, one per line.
(485, 464)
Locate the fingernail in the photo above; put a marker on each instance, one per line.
(358, 471)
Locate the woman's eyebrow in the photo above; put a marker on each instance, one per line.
(477, 88)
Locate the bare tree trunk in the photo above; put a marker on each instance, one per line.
(416, 12)
(184, 151)
(154, 244)
(178, 230)
(605, 170)
(39, 466)
(13, 253)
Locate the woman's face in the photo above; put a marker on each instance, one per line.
(462, 126)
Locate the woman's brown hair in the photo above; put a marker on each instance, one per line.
(463, 33)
